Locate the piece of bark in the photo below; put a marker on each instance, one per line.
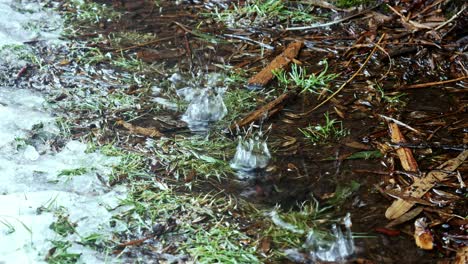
(149, 132)
(280, 62)
(423, 185)
(405, 154)
(269, 109)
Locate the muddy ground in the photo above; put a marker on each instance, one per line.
(396, 62)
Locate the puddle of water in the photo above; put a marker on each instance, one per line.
(338, 249)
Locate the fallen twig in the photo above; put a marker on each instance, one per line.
(145, 44)
(451, 19)
(424, 85)
(352, 77)
(280, 62)
(400, 123)
(330, 23)
(149, 132)
(268, 110)
(408, 162)
(263, 45)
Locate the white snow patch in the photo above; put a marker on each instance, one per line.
(30, 179)
(26, 21)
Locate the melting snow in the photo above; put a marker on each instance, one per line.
(32, 172)
(29, 179)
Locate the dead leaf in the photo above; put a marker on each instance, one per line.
(149, 132)
(406, 217)
(358, 145)
(265, 244)
(405, 154)
(423, 185)
(387, 232)
(462, 255)
(422, 234)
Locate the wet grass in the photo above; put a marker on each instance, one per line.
(85, 15)
(261, 13)
(196, 156)
(204, 226)
(353, 3)
(299, 79)
(331, 130)
(221, 244)
(58, 253)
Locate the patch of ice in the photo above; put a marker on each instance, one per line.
(165, 103)
(30, 180)
(27, 21)
(251, 154)
(282, 224)
(30, 153)
(206, 106)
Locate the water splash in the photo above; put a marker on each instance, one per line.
(251, 154)
(206, 106)
(340, 247)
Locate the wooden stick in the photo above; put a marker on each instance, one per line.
(280, 62)
(424, 85)
(259, 113)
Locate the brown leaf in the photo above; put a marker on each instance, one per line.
(388, 232)
(462, 255)
(423, 185)
(265, 244)
(405, 154)
(149, 132)
(406, 217)
(422, 235)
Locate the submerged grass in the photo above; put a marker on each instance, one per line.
(260, 13)
(331, 130)
(288, 229)
(202, 222)
(299, 79)
(82, 15)
(196, 156)
(221, 244)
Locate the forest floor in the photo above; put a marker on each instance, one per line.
(246, 131)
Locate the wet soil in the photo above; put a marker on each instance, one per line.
(301, 171)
